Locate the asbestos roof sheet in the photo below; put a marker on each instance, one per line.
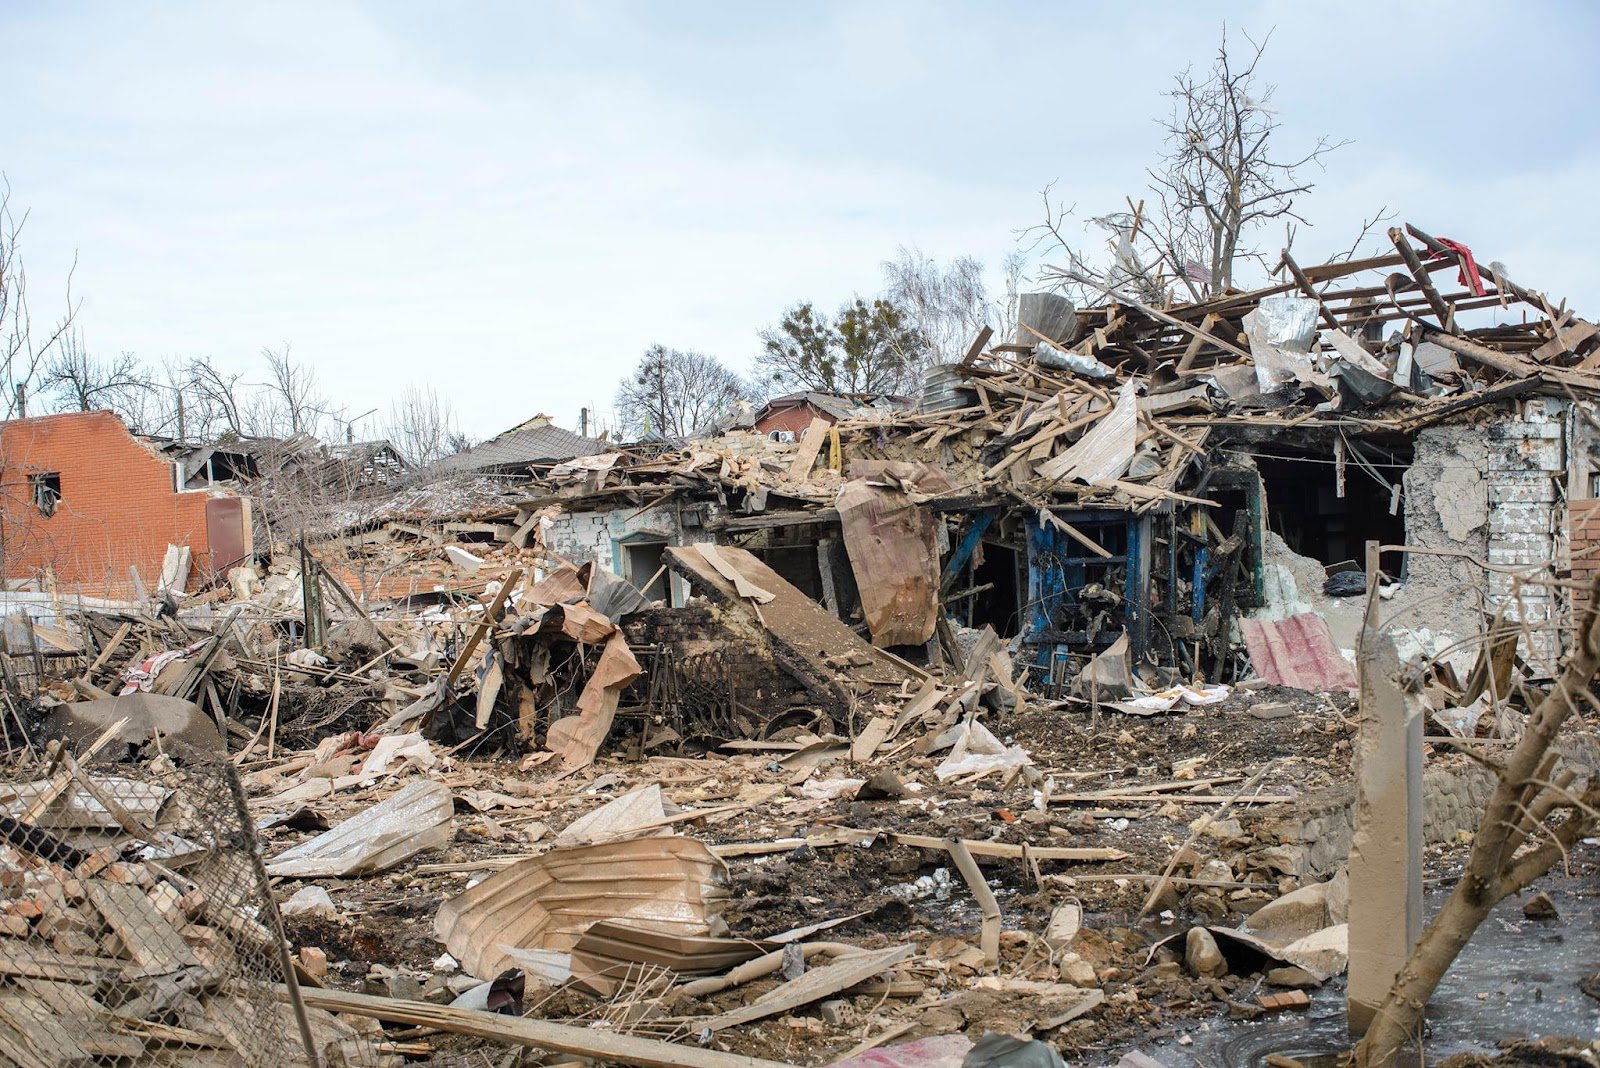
(522, 446)
(1297, 652)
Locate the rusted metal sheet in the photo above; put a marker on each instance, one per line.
(890, 541)
(1297, 652)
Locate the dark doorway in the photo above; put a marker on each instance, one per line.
(796, 563)
(643, 561)
(997, 605)
(1305, 508)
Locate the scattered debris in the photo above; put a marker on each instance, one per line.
(624, 730)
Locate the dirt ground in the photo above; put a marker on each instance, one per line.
(387, 919)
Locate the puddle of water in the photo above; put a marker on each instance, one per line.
(1516, 978)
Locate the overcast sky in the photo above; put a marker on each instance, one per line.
(510, 201)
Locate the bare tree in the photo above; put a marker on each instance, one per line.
(865, 349)
(1534, 817)
(22, 354)
(1014, 269)
(1220, 181)
(676, 393)
(220, 403)
(946, 304)
(291, 403)
(423, 426)
(81, 383)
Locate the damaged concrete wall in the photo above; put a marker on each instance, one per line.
(1486, 489)
(601, 536)
(1447, 507)
(1453, 796)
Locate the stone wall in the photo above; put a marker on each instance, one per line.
(1453, 796)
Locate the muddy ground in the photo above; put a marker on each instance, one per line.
(387, 919)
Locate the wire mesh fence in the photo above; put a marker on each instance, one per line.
(136, 924)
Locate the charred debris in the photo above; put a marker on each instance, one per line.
(913, 729)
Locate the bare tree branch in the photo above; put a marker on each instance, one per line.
(1219, 181)
(675, 393)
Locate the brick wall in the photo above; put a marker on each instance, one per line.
(581, 537)
(1583, 532)
(760, 685)
(117, 508)
(1525, 458)
(795, 417)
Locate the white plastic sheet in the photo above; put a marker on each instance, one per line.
(1167, 700)
(978, 752)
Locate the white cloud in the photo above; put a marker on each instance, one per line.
(512, 201)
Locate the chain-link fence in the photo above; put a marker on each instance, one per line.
(136, 923)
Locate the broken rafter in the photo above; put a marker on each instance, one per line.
(1424, 280)
(1309, 290)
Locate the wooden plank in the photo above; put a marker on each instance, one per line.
(813, 985)
(43, 1042)
(1016, 852)
(29, 961)
(976, 348)
(1423, 278)
(1076, 535)
(1200, 339)
(805, 458)
(85, 1017)
(872, 735)
(145, 933)
(1309, 290)
(1182, 799)
(538, 1034)
(524, 532)
(1566, 340)
(742, 585)
(742, 523)
(109, 651)
(489, 617)
(1134, 489)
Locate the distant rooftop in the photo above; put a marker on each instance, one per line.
(534, 443)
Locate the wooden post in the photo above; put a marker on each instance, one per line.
(1386, 850)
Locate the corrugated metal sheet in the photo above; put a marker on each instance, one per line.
(1297, 652)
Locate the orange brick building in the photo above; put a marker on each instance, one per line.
(83, 501)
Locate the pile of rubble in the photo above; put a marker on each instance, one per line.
(721, 753)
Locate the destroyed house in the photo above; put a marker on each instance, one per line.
(299, 463)
(1203, 478)
(91, 508)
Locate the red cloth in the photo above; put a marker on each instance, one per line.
(1468, 276)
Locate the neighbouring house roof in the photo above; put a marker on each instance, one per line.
(837, 405)
(534, 443)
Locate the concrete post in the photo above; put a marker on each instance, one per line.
(1386, 851)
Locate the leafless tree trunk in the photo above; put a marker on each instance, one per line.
(1220, 180)
(22, 354)
(219, 402)
(1533, 819)
(82, 383)
(295, 404)
(947, 305)
(676, 393)
(422, 426)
